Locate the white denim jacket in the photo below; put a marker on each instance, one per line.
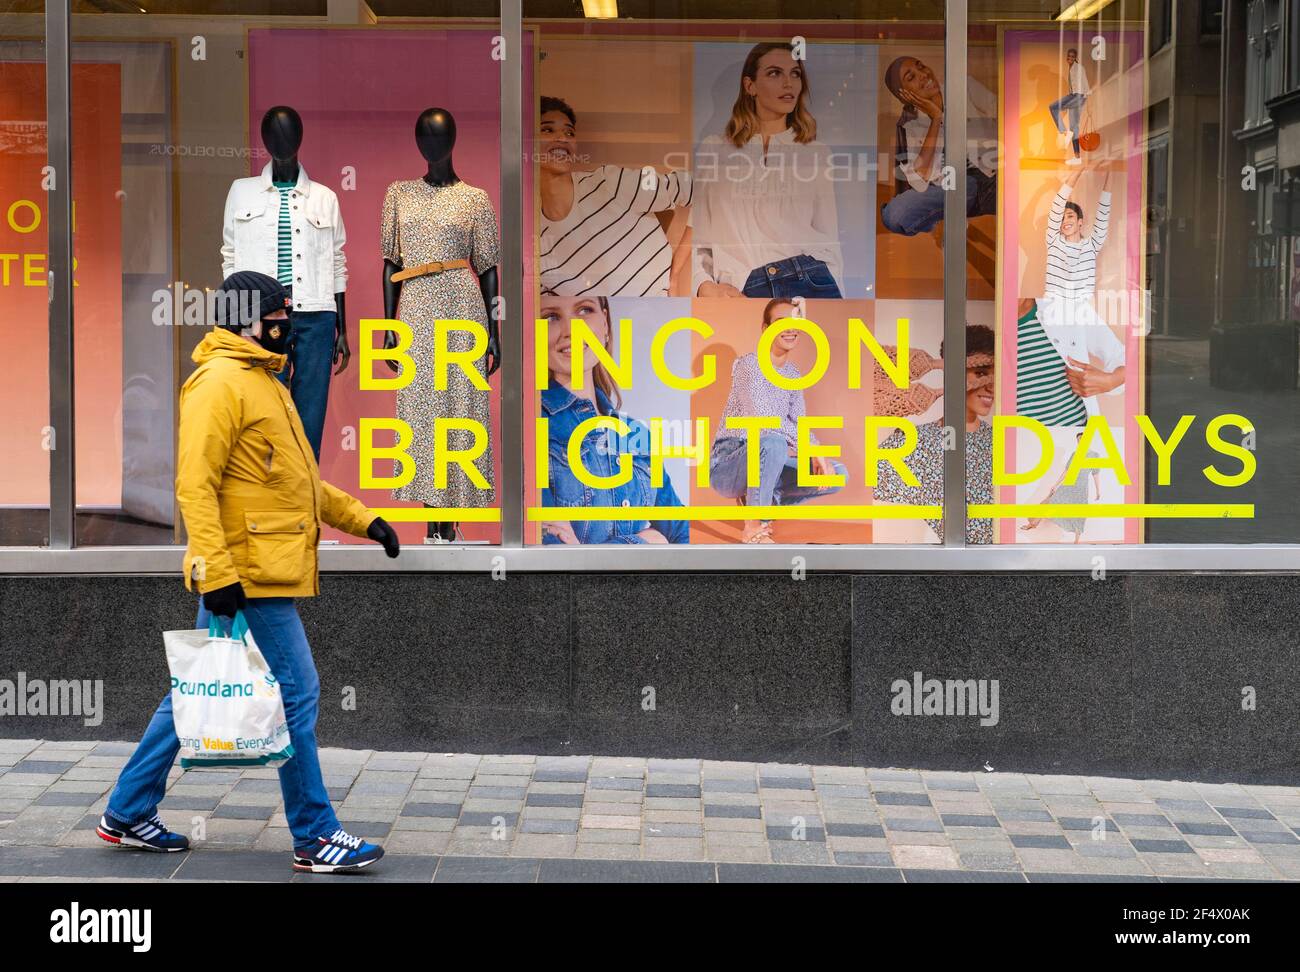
(250, 236)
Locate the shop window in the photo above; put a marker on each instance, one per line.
(168, 117)
(1264, 59)
(1293, 54)
(282, 145)
(26, 438)
(1211, 24)
(753, 178)
(1161, 14)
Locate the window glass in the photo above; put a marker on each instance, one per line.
(746, 245)
(344, 158)
(1147, 278)
(751, 236)
(25, 436)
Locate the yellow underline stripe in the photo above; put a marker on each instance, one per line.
(892, 512)
(441, 514)
(733, 512)
(1093, 511)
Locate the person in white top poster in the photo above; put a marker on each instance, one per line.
(917, 206)
(764, 222)
(599, 234)
(1093, 356)
(1072, 103)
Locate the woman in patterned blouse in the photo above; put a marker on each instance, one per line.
(926, 460)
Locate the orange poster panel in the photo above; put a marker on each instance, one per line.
(909, 259)
(24, 294)
(737, 327)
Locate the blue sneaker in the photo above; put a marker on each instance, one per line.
(150, 835)
(339, 852)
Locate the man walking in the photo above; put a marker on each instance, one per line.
(253, 500)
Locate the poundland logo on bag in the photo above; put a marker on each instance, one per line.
(73, 926)
(216, 689)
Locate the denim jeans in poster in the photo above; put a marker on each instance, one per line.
(279, 635)
(912, 212)
(307, 375)
(796, 276)
(1073, 103)
(778, 472)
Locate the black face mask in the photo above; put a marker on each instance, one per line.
(275, 335)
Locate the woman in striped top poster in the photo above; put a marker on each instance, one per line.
(600, 229)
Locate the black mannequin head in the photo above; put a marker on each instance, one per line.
(282, 133)
(435, 134)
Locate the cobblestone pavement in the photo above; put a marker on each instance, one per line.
(455, 817)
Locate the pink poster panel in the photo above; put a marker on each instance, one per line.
(1072, 313)
(359, 93)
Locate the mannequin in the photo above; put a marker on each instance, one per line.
(285, 225)
(282, 136)
(435, 135)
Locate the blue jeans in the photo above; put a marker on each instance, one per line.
(1073, 103)
(912, 212)
(307, 375)
(279, 635)
(778, 472)
(796, 276)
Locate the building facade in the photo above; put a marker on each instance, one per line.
(711, 518)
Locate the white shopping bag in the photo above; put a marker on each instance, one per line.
(225, 701)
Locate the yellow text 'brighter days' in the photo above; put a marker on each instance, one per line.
(619, 366)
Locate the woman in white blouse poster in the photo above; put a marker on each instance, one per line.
(764, 220)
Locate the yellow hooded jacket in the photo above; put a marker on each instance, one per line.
(246, 477)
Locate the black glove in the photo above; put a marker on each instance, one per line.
(380, 532)
(225, 601)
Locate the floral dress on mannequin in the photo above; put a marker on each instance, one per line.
(421, 224)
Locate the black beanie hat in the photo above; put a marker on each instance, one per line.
(247, 296)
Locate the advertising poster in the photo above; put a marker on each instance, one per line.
(734, 186)
(1071, 299)
(97, 252)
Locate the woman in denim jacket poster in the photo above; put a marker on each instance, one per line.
(566, 407)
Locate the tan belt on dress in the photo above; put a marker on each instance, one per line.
(437, 266)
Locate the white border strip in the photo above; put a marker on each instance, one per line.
(925, 558)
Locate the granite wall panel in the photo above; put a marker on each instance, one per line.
(727, 666)
(1170, 675)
